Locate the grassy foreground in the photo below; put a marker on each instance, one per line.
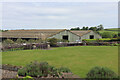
(79, 59)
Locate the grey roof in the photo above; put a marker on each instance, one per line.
(43, 33)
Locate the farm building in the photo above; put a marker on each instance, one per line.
(72, 36)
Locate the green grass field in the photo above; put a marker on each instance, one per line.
(112, 30)
(79, 59)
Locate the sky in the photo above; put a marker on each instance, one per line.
(58, 15)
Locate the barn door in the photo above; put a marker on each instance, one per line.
(91, 36)
(65, 37)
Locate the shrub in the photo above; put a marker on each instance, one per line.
(8, 41)
(36, 69)
(115, 44)
(31, 41)
(101, 72)
(28, 78)
(19, 40)
(64, 69)
(21, 72)
(62, 40)
(52, 41)
(107, 35)
(39, 41)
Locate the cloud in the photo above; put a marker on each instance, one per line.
(58, 15)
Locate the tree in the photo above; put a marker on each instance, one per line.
(39, 41)
(19, 40)
(77, 28)
(8, 41)
(107, 35)
(87, 28)
(53, 41)
(84, 28)
(31, 41)
(93, 28)
(100, 27)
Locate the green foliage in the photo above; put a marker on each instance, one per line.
(39, 41)
(77, 28)
(21, 72)
(101, 72)
(62, 40)
(98, 28)
(28, 78)
(85, 28)
(107, 35)
(36, 69)
(53, 41)
(93, 28)
(19, 40)
(99, 40)
(64, 69)
(31, 41)
(8, 41)
(115, 44)
(3, 30)
(112, 33)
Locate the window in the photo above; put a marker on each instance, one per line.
(91, 36)
(65, 37)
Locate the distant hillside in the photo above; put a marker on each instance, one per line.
(112, 30)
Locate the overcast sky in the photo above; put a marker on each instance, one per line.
(59, 15)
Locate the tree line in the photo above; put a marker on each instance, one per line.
(96, 28)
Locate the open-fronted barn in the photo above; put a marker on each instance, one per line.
(76, 36)
(72, 36)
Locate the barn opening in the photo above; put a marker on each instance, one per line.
(65, 37)
(91, 36)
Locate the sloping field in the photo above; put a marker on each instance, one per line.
(79, 59)
(112, 30)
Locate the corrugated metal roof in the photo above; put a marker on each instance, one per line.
(42, 33)
(81, 32)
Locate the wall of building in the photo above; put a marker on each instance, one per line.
(87, 36)
(74, 38)
(71, 37)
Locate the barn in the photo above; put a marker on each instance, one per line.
(71, 36)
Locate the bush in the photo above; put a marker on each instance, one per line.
(19, 40)
(39, 41)
(28, 78)
(64, 69)
(36, 69)
(31, 41)
(107, 35)
(101, 72)
(53, 42)
(8, 41)
(115, 44)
